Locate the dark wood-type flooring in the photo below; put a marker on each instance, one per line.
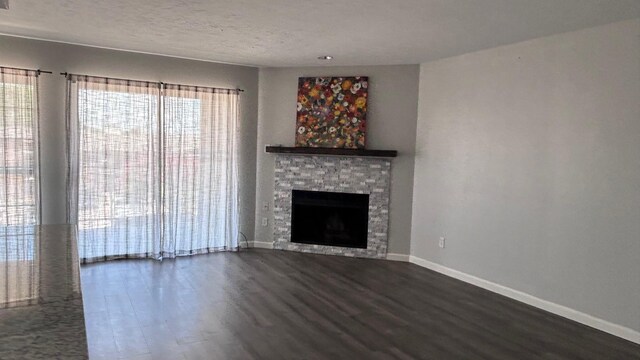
(262, 304)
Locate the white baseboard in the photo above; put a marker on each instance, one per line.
(398, 257)
(586, 319)
(262, 244)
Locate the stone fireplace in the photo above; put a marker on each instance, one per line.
(333, 175)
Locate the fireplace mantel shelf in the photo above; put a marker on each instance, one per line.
(330, 151)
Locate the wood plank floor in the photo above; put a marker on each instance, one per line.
(262, 304)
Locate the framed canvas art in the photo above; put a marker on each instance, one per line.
(332, 112)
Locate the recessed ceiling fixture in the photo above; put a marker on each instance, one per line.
(4, 4)
(326, 57)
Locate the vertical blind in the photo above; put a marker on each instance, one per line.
(19, 165)
(152, 168)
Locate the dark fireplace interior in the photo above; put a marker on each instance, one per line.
(329, 218)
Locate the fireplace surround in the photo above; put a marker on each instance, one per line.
(334, 174)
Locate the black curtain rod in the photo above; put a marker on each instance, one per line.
(38, 71)
(65, 74)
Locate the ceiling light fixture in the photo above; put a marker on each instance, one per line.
(326, 57)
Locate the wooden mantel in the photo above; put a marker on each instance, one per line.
(330, 151)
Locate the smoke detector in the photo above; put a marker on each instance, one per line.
(4, 4)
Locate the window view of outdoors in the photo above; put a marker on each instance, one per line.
(17, 168)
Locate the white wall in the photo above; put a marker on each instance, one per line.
(391, 124)
(528, 161)
(57, 57)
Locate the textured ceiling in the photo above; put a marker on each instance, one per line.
(296, 32)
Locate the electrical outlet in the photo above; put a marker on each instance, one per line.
(265, 206)
(441, 242)
(265, 221)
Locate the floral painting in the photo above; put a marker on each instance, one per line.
(332, 112)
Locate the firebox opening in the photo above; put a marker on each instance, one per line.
(330, 218)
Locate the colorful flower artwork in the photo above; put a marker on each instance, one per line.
(332, 112)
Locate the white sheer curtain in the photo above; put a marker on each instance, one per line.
(113, 177)
(19, 185)
(19, 149)
(19, 269)
(152, 172)
(200, 175)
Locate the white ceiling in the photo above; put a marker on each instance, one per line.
(296, 32)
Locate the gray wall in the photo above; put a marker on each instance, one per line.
(391, 124)
(57, 57)
(528, 161)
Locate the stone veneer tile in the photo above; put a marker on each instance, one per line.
(362, 175)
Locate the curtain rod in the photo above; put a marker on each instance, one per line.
(65, 74)
(36, 70)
